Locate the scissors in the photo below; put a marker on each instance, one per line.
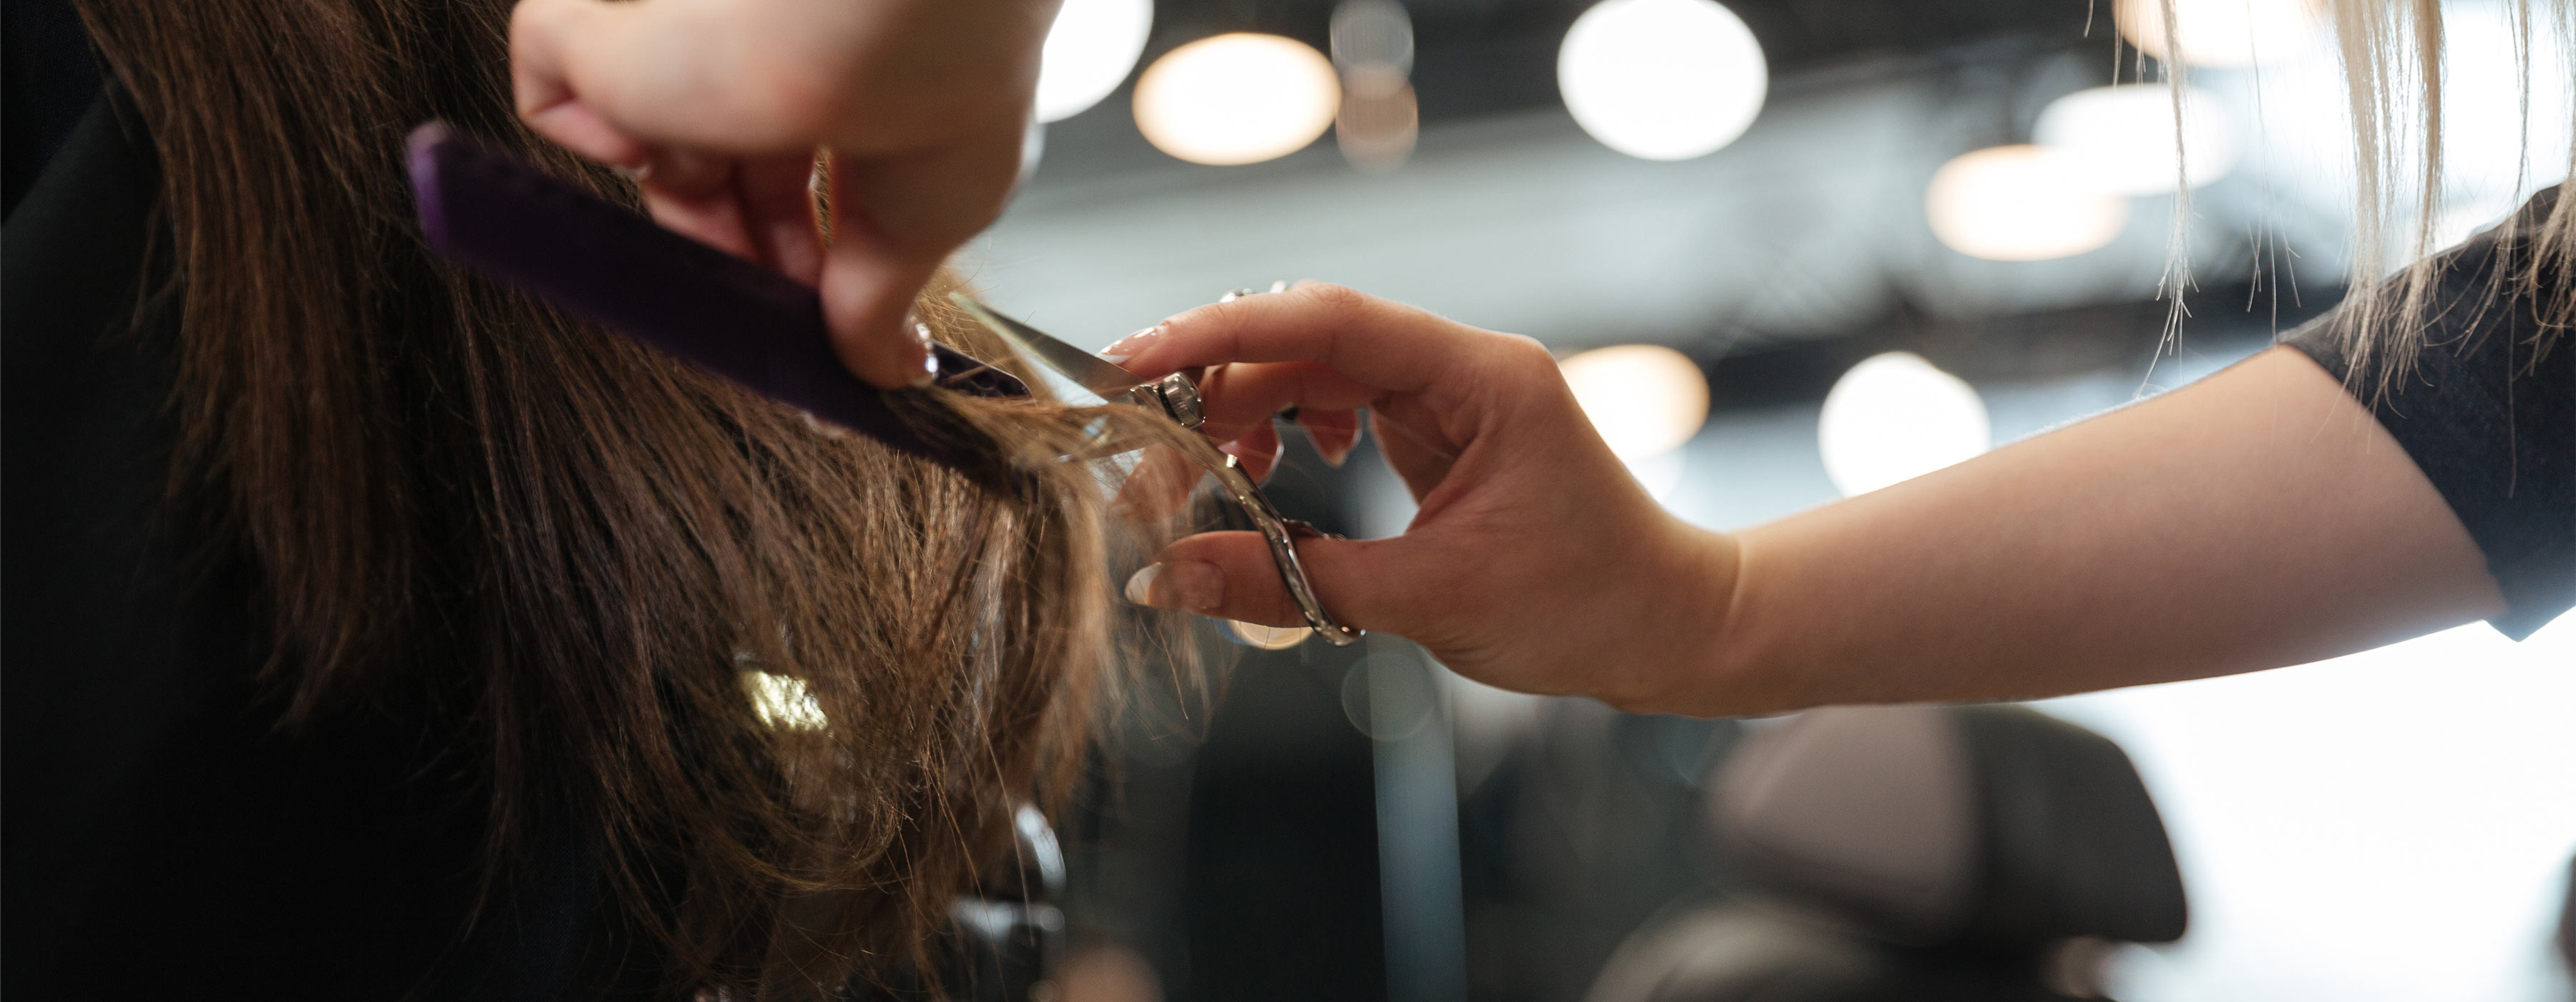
(1177, 398)
(485, 209)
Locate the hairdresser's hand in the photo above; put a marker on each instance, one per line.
(720, 108)
(1536, 562)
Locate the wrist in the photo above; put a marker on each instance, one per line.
(1689, 626)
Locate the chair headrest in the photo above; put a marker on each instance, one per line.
(1934, 825)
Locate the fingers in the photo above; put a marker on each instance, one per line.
(541, 36)
(1230, 574)
(868, 285)
(1258, 449)
(1375, 342)
(894, 220)
(926, 203)
(1334, 432)
(1242, 396)
(777, 195)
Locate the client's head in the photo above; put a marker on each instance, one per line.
(785, 684)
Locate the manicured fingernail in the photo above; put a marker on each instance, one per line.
(1188, 584)
(1140, 585)
(1130, 346)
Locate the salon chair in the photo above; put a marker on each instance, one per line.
(1919, 853)
(1006, 938)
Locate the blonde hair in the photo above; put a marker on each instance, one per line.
(2392, 56)
(2391, 52)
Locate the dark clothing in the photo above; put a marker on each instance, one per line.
(2489, 412)
(164, 839)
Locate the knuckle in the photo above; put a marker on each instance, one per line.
(1523, 353)
(1336, 300)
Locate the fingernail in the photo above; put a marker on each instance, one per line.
(1188, 584)
(1130, 346)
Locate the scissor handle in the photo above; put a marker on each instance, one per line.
(1277, 531)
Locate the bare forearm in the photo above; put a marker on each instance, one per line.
(2257, 519)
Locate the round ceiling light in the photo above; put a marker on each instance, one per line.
(1644, 399)
(2121, 139)
(2020, 203)
(1088, 53)
(2224, 32)
(1236, 99)
(1894, 417)
(1662, 79)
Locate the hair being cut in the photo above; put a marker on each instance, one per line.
(578, 550)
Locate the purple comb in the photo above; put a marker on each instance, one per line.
(601, 262)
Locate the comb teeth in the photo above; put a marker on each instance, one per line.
(601, 262)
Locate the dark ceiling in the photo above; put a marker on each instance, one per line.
(1483, 57)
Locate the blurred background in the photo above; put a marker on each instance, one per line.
(1788, 250)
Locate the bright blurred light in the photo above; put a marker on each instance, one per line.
(782, 700)
(2020, 203)
(2386, 826)
(1236, 99)
(1372, 34)
(1088, 52)
(2121, 139)
(1644, 399)
(1894, 417)
(1662, 79)
(1379, 118)
(1268, 638)
(2225, 32)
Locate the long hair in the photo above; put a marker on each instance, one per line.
(2392, 55)
(786, 684)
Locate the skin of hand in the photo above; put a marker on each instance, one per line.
(2257, 518)
(722, 109)
(1533, 556)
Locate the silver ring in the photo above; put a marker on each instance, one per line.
(1275, 287)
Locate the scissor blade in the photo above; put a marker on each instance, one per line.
(1089, 371)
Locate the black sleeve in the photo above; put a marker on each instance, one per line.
(2488, 411)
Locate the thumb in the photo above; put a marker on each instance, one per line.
(1361, 583)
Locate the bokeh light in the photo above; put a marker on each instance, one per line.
(1644, 399)
(1662, 79)
(1088, 53)
(1895, 417)
(2224, 32)
(1236, 99)
(1380, 118)
(2121, 139)
(2020, 203)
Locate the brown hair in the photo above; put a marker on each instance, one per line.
(450, 492)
